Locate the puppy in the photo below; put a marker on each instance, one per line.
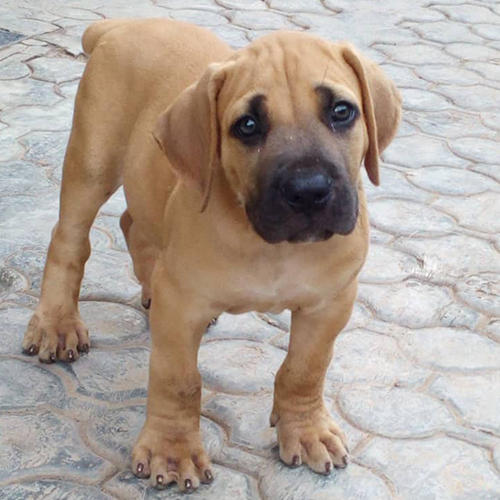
(241, 171)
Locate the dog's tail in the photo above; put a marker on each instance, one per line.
(94, 32)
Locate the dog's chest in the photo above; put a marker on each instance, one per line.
(275, 286)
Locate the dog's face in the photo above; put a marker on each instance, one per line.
(292, 146)
(293, 117)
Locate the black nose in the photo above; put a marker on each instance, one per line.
(307, 191)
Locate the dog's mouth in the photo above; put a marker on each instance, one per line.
(276, 224)
(308, 236)
(304, 200)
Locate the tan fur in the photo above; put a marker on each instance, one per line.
(159, 82)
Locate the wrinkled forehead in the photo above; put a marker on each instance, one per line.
(288, 71)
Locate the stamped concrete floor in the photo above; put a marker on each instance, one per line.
(415, 381)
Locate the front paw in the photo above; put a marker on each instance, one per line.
(311, 437)
(168, 457)
(56, 336)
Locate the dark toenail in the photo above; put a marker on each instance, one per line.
(188, 484)
(71, 355)
(296, 461)
(344, 460)
(52, 357)
(147, 305)
(140, 468)
(32, 349)
(159, 479)
(209, 476)
(84, 348)
(328, 467)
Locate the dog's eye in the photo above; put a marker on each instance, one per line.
(247, 126)
(342, 113)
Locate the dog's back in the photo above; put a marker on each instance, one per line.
(136, 69)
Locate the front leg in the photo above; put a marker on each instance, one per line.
(169, 448)
(306, 432)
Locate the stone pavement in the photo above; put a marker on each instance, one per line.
(415, 381)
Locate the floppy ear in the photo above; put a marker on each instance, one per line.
(381, 107)
(188, 131)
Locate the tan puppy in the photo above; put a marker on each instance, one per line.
(253, 202)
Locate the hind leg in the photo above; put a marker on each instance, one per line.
(91, 174)
(56, 330)
(143, 255)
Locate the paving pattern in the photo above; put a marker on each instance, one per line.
(415, 381)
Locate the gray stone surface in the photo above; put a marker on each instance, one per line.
(446, 259)
(259, 20)
(397, 184)
(28, 386)
(487, 70)
(422, 151)
(13, 321)
(445, 32)
(474, 98)
(482, 291)
(45, 148)
(493, 329)
(56, 69)
(469, 13)
(54, 117)
(19, 178)
(437, 468)
(474, 396)
(225, 365)
(418, 54)
(419, 218)
(496, 456)
(247, 326)
(52, 490)
(384, 264)
(112, 376)
(113, 323)
(44, 443)
(451, 349)
(480, 212)
(29, 90)
(14, 68)
(416, 373)
(421, 100)
(451, 181)
(394, 412)
(363, 357)
(248, 419)
(450, 124)
(278, 481)
(413, 304)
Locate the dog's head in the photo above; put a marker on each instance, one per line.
(289, 120)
